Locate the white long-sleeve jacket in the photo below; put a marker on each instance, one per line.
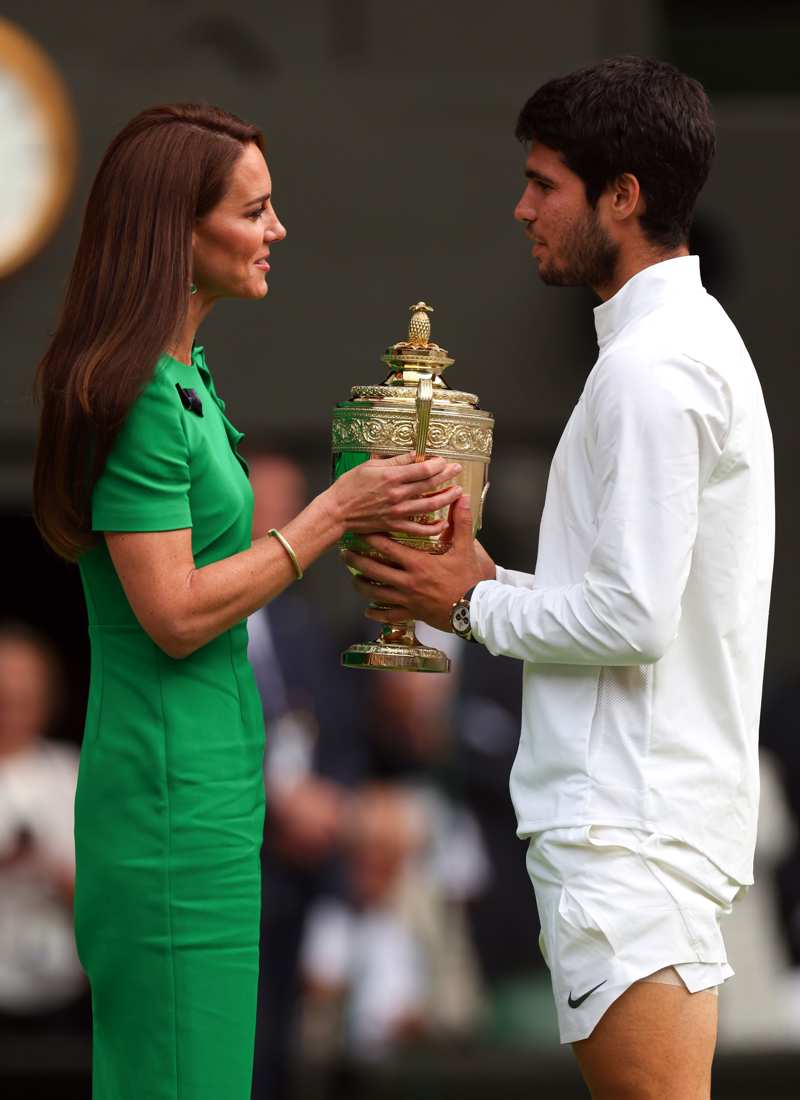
(643, 629)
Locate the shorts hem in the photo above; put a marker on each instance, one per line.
(581, 1027)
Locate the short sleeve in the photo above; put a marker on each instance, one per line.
(145, 483)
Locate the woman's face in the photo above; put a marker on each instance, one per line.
(231, 244)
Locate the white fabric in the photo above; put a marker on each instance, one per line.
(513, 577)
(39, 967)
(643, 630)
(617, 905)
(377, 959)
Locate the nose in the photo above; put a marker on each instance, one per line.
(524, 210)
(275, 230)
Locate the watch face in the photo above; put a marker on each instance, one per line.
(461, 623)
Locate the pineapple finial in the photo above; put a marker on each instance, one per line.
(419, 327)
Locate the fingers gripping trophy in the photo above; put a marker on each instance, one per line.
(413, 408)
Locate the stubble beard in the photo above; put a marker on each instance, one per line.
(590, 256)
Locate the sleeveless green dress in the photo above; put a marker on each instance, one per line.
(170, 804)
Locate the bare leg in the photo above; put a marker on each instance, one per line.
(656, 1042)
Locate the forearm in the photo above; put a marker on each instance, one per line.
(182, 607)
(219, 595)
(571, 625)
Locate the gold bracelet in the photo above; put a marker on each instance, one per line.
(298, 572)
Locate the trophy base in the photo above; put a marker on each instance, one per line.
(381, 657)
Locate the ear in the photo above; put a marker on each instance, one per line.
(625, 197)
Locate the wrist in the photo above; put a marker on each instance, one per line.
(331, 514)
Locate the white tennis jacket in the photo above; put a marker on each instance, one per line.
(643, 629)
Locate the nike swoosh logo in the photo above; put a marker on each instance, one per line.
(578, 1001)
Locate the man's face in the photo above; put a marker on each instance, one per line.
(570, 243)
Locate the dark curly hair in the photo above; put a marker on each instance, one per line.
(630, 114)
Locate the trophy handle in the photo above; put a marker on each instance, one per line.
(479, 524)
(424, 402)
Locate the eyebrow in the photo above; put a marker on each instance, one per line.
(261, 198)
(539, 177)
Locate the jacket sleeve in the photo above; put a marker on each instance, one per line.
(514, 577)
(657, 432)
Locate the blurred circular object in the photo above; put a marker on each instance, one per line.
(38, 147)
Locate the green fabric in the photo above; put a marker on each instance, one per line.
(169, 808)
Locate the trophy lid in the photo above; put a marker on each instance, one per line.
(409, 360)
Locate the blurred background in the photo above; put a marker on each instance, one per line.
(399, 930)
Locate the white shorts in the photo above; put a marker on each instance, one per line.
(615, 906)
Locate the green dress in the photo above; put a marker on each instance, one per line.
(170, 804)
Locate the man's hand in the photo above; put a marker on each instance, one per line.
(410, 584)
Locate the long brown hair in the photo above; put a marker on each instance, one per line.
(126, 298)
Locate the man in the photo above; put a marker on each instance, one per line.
(643, 628)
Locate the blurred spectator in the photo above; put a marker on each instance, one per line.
(409, 719)
(755, 1009)
(395, 964)
(359, 961)
(41, 980)
(312, 759)
(503, 918)
(397, 918)
(780, 732)
(458, 735)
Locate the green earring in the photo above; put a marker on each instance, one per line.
(192, 288)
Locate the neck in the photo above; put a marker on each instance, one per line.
(181, 347)
(630, 262)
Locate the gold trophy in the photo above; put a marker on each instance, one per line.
(413, 409)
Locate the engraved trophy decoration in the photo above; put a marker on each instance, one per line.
(413, 409)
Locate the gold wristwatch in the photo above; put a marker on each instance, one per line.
(460, 619)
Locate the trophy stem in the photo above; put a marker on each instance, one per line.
(397, 649)
(399, 634)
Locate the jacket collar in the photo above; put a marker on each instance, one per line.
(644, 292)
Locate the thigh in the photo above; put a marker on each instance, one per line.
(655, 1042)
(616, 908)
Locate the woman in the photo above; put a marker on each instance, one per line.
(138, 477)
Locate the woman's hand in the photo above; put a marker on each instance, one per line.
(389, 494)
(183, 607)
